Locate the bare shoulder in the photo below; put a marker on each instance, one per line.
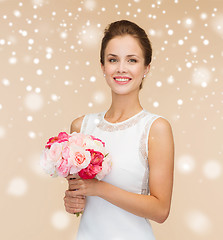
(161, 134)
(160, 127)
(76, 124)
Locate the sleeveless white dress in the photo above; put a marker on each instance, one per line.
(127, 143)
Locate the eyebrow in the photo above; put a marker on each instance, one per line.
(114, 55)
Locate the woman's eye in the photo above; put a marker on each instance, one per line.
(132, 60)
(112, 60)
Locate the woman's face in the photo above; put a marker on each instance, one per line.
(124, 64)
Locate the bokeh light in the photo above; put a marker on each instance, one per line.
(198, 222)
(185, 164)
(2, 131)
(217, 24)
(5, 82)
(60, 220)
(200, 76)
(212, 169)
(33, 101)
(99, 97)
(34, 164)
(17, 186)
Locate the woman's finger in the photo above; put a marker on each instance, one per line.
(76, 181)
(74, 205)
(74, 194)
(74, 200)
(76, 184)
(73, 210)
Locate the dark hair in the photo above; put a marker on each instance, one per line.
(124, 27)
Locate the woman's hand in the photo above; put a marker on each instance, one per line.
(83, 187)
(74, 204)
(75, 199)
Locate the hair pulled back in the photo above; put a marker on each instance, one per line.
(122, 28)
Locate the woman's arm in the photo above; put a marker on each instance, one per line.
(155, 206)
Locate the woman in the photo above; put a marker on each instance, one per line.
(139, 187)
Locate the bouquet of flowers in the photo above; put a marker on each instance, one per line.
(78, 154)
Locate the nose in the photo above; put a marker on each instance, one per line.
(121, 67)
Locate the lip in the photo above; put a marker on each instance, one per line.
(124, 78)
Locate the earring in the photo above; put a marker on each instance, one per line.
(144, 75)
(104, 75)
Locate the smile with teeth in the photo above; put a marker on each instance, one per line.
(122, 79)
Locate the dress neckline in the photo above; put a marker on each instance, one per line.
(119, 123)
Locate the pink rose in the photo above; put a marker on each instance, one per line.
(55, 151)
(63, 167)
(77, 138)
(97, 139)
(62, 137)
(94, 167)
(96, 157)
(79, 158)
(90, 171)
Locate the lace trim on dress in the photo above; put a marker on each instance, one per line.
(112, 127)
(144, 140)
(144, 160)
(143, 149)
(145, 182)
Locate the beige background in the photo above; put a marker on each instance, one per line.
(50, 74)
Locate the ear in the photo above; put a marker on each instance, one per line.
(147, 68)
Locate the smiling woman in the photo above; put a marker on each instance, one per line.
(124, 64)
(126, 28)
(139, 186)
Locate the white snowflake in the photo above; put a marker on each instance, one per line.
(185, 164)
(17, 186)
(198, 222)
(33, 101)
(212, 169)
(60, 220)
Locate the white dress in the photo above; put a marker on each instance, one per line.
(127, 143)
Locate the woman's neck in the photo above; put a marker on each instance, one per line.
(123, 107)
